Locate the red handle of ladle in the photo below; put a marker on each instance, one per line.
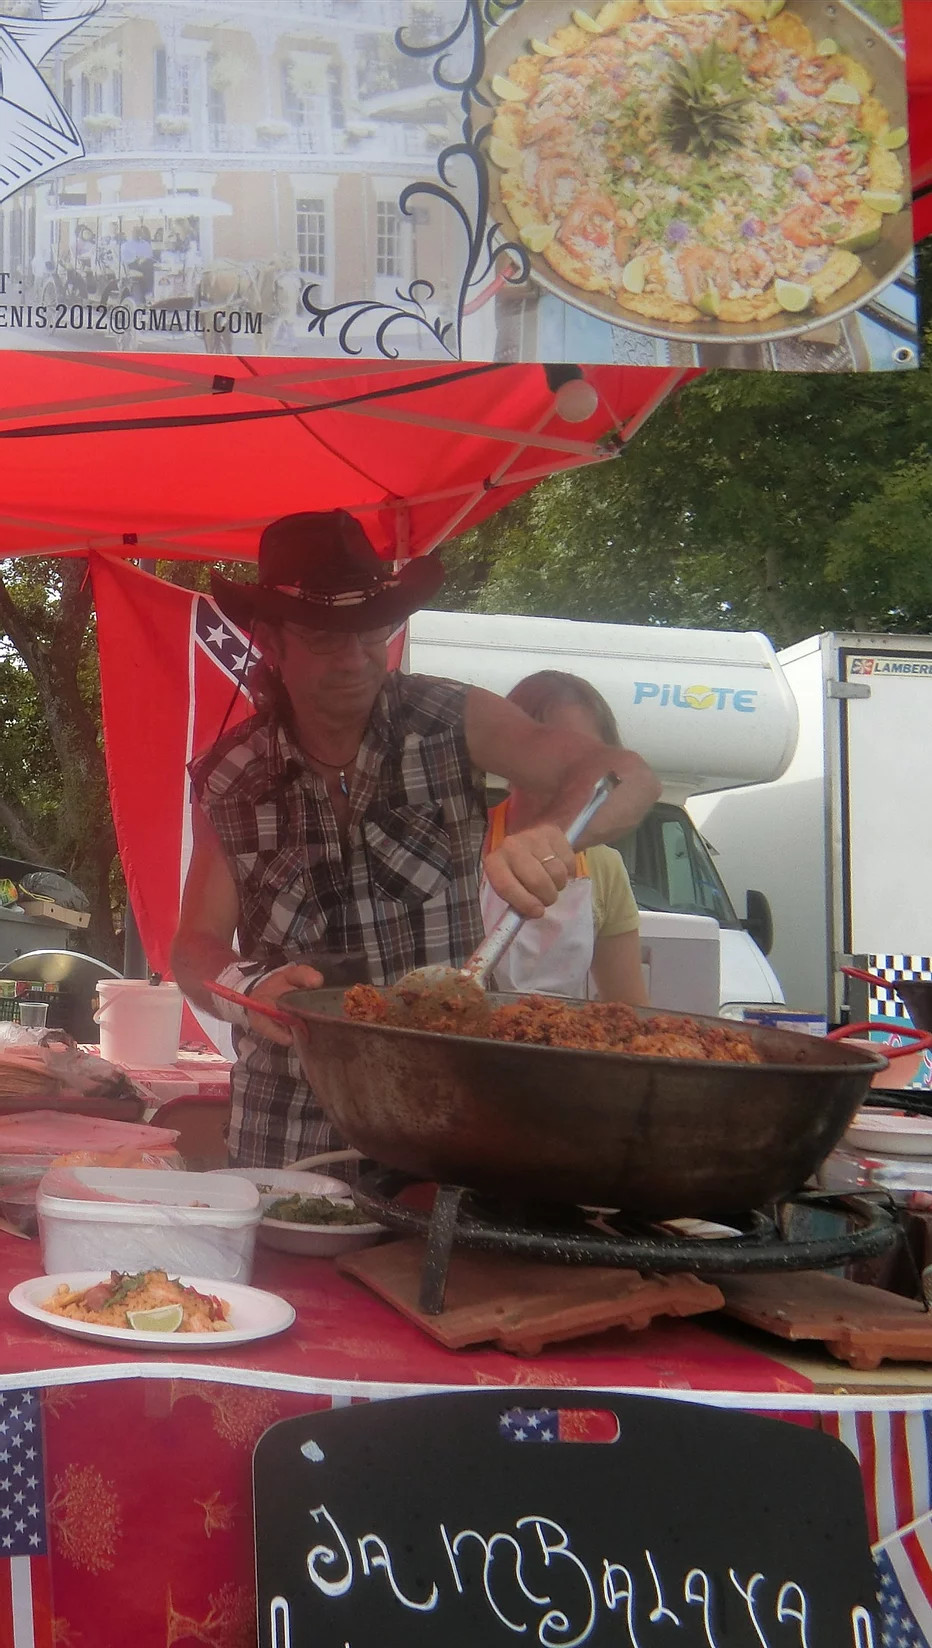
(869, 978)
(253, 1006)
(921, 1039)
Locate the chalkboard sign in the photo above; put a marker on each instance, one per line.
(619, 1522)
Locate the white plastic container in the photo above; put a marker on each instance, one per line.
(680, 957)
(140, 1023)
(195, 1224)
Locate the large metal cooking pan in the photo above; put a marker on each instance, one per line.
(656, 1136)
(855, 34)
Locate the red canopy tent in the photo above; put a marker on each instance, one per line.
(186, 457)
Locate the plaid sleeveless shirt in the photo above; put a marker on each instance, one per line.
(406, 892)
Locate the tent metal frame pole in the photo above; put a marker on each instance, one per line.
(494, 480)
(456, 426)
(629, 429)
(135, 960)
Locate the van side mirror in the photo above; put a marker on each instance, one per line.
(759, 920)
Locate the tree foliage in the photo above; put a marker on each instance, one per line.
(775, 501)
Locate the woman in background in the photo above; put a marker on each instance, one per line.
(587, 945)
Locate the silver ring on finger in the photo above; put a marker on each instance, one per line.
(550, 857)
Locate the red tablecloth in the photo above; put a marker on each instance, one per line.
(148, 1457)
(344, 1333)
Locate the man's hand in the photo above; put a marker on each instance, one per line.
(531, 868)
(271, 988)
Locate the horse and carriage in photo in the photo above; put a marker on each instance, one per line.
(144, 260)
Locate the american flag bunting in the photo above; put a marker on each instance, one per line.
(894, 1452)
(25, 1588)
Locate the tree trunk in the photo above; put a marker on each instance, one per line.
(51, 640)
(20, 833)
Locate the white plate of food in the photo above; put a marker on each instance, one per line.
(249, 1313)
(319, 1218)
(886, 1133)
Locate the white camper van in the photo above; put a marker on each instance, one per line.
(706, 710)
(841, 843)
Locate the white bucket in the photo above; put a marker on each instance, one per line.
(140, 1023)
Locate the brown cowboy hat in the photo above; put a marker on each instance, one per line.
(320, 570)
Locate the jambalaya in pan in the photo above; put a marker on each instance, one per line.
(543, 1021)
(696, 158)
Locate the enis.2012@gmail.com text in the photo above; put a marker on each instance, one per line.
(119, 319)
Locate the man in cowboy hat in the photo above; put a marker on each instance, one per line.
(348, 814)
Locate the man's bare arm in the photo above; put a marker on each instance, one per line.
(561, 767)
(203, 944)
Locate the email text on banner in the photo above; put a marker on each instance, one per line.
(120, 319)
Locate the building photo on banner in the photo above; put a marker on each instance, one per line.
(640, 182)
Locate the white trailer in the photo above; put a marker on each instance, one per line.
(841, 842)
(706, 709)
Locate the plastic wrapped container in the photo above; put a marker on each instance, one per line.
(190, 1224)
(32, 1143)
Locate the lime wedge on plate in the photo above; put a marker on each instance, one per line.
(894, 138)
(543, 49)
(773, 9)
(842, 91)
(827, 47)
(882, 200)
(507, 90)
(862, 241)
(709, 303)
(163, 1319)
(792, 296)
(586, 23)
(503, 155)
(862, 231)
(634, 274)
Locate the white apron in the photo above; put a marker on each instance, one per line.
(552, 954)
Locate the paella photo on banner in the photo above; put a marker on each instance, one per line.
(652, 182)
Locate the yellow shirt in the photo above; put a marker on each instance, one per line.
(614, 906)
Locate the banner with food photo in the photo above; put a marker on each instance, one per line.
(651, 182)
(722, 174)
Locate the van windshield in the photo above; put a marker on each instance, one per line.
(671, 870)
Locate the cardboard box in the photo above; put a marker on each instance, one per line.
(51, 911)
